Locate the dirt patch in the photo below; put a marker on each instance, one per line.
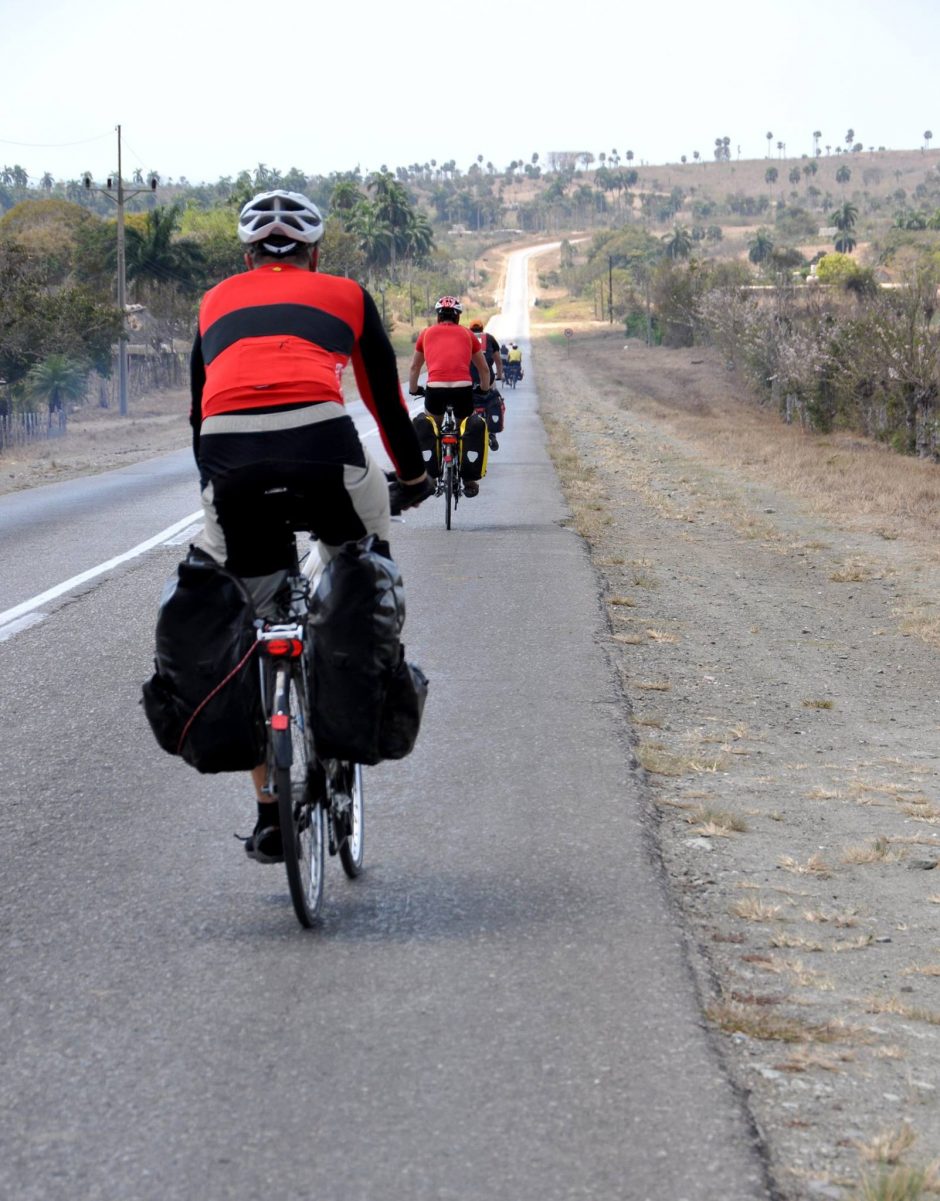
(99, 440)
(773, 618)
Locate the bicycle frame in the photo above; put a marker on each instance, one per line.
(449, 484)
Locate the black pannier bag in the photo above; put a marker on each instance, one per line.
(203, 701)
(366, 701)
(492, 409)
(430, 443)
(473, 447)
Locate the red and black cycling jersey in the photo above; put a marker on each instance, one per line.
(447, 349)
(279, 337)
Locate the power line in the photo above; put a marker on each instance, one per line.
(54, 145)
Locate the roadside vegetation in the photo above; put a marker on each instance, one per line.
(815, 275)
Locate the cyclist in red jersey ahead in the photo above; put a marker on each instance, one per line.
(448, 349)
(268, 412)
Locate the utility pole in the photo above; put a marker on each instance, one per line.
(610, 289)
(120, 199)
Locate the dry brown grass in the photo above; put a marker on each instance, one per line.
(889, 1145)
(854, 944)
(855, 571)
(785, 939)
(915, 1013)
(900, 1183)
(922, 969)
(753, 909)
(815, 865)
(659, 760)
(733, 1017)
(841, 921)
(802, 1059)
(818, 704)
(796, 970)
(879, 850)
(716, 822)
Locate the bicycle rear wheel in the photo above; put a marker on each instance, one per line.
(352, 849)
(300, 811)
(448, 492)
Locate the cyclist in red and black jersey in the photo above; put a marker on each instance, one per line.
(268, 411)
(448, 350)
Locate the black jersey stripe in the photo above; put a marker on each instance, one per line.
(289, 320)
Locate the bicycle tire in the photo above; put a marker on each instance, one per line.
(301, 815)
(448, 493)
(352, 848)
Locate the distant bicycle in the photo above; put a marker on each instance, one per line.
(512, 373)
(449, 484)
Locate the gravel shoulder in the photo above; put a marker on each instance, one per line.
(777, 650)
(100, 440)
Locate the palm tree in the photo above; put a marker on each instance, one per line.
(817, 134)
(47, 183)
(843, 175)
(420, 236)
(770, 175)
(678, 243)
(928, 134)
(844, 219)
(57, 380)
(795, 176)
(760, 246)
(769, 136)
(345, 197)
(154, 256)
(374, 237)
(391, 206)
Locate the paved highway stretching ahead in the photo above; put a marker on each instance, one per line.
(500, 1008)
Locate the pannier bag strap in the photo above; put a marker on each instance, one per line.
(215, 691)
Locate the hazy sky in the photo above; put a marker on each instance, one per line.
(204, 88)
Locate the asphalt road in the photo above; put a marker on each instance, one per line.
(499, 1008)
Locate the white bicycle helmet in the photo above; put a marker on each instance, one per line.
(449, 302)
(285, 217)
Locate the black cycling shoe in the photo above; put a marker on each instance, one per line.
(494, 442)
(264, 844)
(470, 487)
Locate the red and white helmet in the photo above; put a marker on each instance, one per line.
(279, 213)
(449, 302)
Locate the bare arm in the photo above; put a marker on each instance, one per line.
(416, 364)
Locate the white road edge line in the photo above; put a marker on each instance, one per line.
(60, 589)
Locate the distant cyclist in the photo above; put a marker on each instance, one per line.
(268, 412)
(489, 404)
(491, 352)
(514, 363)
(448, 349)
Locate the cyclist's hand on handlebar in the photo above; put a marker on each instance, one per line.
(419, 391)
(408, 496)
